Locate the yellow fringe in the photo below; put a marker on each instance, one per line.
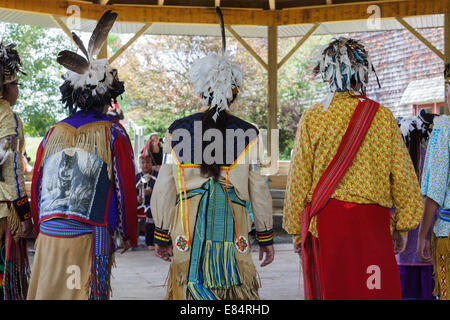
(92, 137)
(176, 283)
(14, 223)
(441, 247)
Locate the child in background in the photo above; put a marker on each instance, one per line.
(145, 180)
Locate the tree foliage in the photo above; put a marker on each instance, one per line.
(39, 100)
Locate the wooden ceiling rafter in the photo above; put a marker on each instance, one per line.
(163, 12)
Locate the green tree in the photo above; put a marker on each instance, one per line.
(298, 89)
(39, 102)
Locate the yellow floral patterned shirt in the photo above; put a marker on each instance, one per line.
(382, 172)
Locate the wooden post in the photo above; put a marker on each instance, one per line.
(272, 98)
(446, 59)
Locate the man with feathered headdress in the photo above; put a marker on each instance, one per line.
(83, 186)
(348, 167)
(207, 229)
(15, 215)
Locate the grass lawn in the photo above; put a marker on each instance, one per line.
(31, 146)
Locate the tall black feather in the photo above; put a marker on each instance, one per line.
(80, 44)
(73, 61)
(101, 31)
(222, 27)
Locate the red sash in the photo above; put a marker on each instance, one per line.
(343, 159)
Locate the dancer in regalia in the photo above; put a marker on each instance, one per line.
(15, 214)
(348, 167)
(436, 190)
(416, 276)
(84, 182)
(198, 202)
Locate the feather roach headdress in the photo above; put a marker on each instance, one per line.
(421, 124)
(10, 64)
(216, 78)
(416, 130)
(344, 62)
(90, 82)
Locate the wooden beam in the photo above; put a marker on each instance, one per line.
(130, 42)
(64, 28)
(104, 2)
(258, 17)
(272, 98)
(420, 37)
(144, 13)
(246, 46)
(299, 44)
(358, 11)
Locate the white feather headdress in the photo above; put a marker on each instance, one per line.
(216, 78)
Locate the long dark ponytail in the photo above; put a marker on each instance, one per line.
(212, 170)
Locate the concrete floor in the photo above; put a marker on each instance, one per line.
(140, 275)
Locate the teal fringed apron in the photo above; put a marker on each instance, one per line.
(213, 264)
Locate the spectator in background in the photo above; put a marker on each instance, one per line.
(154, 149)
(145, 180)
(26, 163)
(114, 111)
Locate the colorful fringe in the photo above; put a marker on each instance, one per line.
(102, 263)
(102, 251)
(176, 283)
(16, 272)
(212, 263)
